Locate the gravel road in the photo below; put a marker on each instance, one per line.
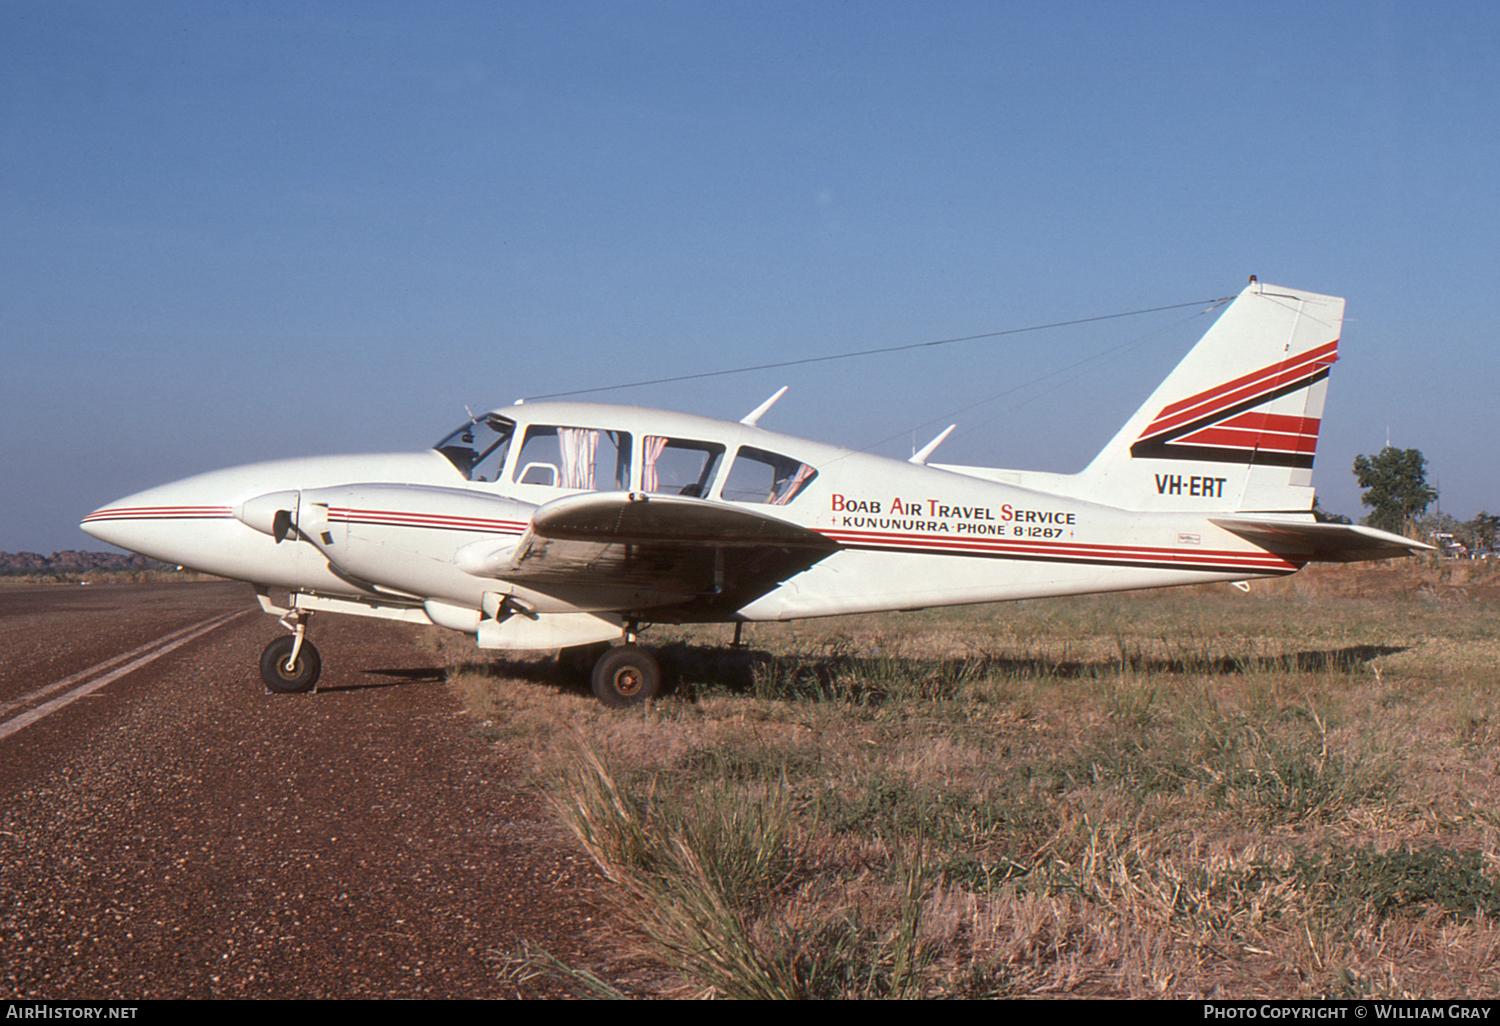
(182, 833)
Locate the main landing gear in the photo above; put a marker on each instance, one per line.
(620, 675)
(291, 665)
(626, 675)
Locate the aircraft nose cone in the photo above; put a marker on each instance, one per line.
(102, 524)
(151, 522)
(120, 522)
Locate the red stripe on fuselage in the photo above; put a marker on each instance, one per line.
(159, 513)
(1125, 555)
(434, 521)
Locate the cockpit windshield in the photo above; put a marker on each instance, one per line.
(478, 448)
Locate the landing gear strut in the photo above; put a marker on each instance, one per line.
(291, 665)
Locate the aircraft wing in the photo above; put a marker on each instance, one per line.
(681, 557)
(1321, 543)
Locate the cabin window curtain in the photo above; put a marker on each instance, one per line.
(789, 487)
(652, 446)
(578, 446)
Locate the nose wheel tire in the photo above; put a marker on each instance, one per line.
(626, 675)
(289, 679)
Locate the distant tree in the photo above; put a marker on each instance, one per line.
(1396, 488)
(1483, 529)
(1322, 516)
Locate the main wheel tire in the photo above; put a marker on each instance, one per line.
(289, 680)
(626, 675)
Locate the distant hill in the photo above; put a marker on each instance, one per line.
(71, 560)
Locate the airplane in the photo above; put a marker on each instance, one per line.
(566, 525)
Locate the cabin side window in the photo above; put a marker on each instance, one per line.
(478, 448)
(678, 466)
(579, 459)
(766, 477)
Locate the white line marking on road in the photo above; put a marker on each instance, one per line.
(58, 685)
(152, 651)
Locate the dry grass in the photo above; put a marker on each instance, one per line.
(1196, 793)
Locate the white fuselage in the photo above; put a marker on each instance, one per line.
(410, 530)
(557, 524)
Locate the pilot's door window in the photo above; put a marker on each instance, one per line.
(577, 459)
(676, 466)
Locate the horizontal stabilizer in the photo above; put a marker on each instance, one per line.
(1321, 543)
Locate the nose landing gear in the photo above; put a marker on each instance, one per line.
(286, 672)
(291, 665)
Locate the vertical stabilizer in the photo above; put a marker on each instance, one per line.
(1235, 425)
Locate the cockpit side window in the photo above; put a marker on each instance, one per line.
(478, 448)
(678, 466)
(766, 477)
(580, 459)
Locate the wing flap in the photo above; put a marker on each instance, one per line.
(1321, 543)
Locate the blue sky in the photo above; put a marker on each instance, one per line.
(242, 231)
